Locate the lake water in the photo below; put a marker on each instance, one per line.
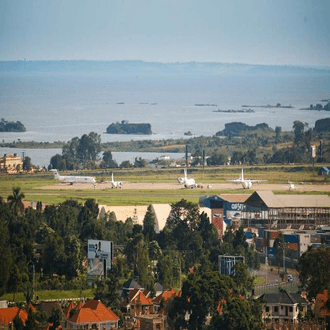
(59, 106)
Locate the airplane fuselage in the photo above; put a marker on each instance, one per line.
(74, 178)
(187, 182)
(246, 184)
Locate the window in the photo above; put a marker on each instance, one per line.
(275, 309)
(290, 309)
(267, 309)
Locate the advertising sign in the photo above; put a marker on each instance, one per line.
(99, 255)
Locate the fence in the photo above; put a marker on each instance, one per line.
(276, 287)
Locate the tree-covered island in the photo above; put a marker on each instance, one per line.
(10, 126)
(127, 128)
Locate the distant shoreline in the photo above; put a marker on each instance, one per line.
(279, 106)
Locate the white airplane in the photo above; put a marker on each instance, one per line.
(291, 185)
(73, 179)
(246, 183)
(187, 182)
(115, 184)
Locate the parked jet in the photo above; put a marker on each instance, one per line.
(115, 184)
(246, 183)
(187, 182)
(73, 179)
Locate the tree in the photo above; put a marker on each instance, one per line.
(107, 289)
(139, 162)
(278, 131)
(27, 164)
(108, 161)
(73, 251)
(168, 269)
(298, 128)
(6, 258)
(314, 271)
(242, 278)
(202, 295)
(16, 200)
(238, 314)
(57, 162)
(149, 223)
(18, 323)
(279, 248)
(82, 152)
(15, 280)
(126, 164)
(55, 318)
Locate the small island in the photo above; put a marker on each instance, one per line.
(235, 111)
(318, 107)
(127, 128)
(278, 105)
(10, 126)
(205, 105)
(235, 129)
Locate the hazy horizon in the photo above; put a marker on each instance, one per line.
(254, 32)
(165, 63)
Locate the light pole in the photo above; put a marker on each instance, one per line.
(284, 258)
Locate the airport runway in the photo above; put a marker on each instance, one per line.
(176, 186)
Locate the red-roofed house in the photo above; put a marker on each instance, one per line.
(320, 311)
(69, 308)
(31, 307)
(137, 303)
(161, 300)
(7, 315)
(93, 315)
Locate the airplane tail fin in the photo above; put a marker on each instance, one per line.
(185, 173)
(56, 174)
(112, 176)
(242, 175)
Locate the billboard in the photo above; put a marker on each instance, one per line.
(99, 255)
(226, 263)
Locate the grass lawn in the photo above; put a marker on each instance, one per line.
(30, 184)
(51, 294)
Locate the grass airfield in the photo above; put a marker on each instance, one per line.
(158, 186)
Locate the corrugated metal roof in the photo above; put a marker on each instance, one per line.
(269, 198)
(304, 200)
(235, 198)
(275, 201)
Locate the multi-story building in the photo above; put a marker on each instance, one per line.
(283, 307)
(11, 163)
(264, 209)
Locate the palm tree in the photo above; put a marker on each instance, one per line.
(15, 200)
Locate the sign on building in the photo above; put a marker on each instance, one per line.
(99, 255)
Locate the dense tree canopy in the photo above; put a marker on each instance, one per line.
(314, 271)
(78, 153)
(215, 297)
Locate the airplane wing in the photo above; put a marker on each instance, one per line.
(235, 180)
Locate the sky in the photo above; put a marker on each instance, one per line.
(230, 31)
